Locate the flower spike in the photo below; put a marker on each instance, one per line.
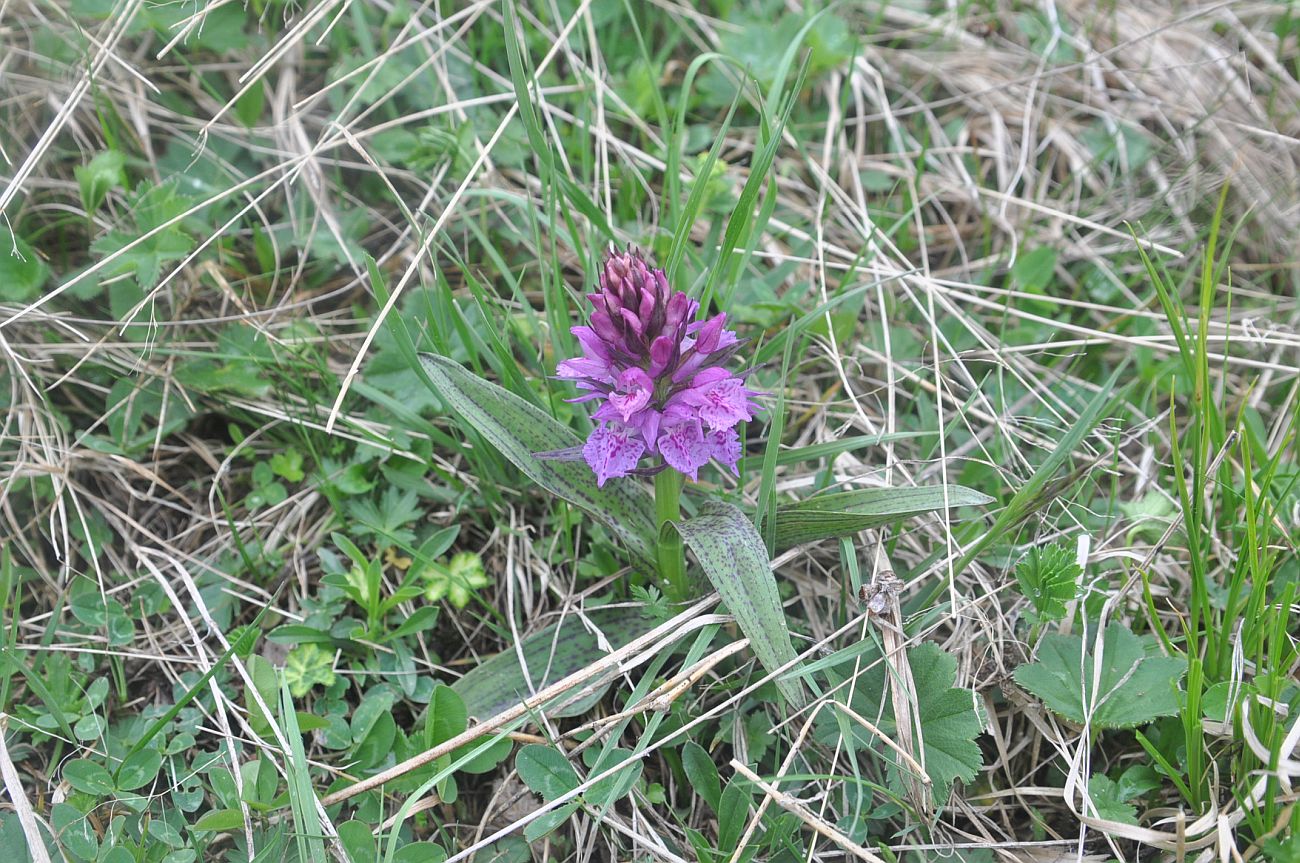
(659, 377)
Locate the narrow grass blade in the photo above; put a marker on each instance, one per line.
(519, 430)
(1030, 496)
(243, 643)
(302, 799)
(734, 558)
(830, 449)
(833, 515)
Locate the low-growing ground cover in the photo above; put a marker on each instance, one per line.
(1002, 566)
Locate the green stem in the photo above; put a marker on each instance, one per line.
(672, 561)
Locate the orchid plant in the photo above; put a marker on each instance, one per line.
(664, 392)
(668, 401)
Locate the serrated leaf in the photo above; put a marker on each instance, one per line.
(950, 722)
(845, 513)
(949, 719)
(152, 208)
(1108, 800)
(457, 580)
(1049, 578)
(519, 429)
(734, 558)
(1133, 688)
(546, 771)
(499, 682)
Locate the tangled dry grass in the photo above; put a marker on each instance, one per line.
(956, 140)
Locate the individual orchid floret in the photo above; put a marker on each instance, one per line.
(659, 376)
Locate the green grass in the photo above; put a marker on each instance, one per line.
(248, 552)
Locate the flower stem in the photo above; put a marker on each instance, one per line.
(672, 561)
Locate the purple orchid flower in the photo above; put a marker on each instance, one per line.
(659, 375)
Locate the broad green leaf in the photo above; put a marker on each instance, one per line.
(376, 704)
(499, 682)
(90, 726)
(139, 769)
(733, 556)
(98, 177)
(1048, 578)
(22, 273)
(306, 666)
(1034, 271)
(446, 718)
(1137, 780)
(1134, 687)
(248, 107)
(220, 819)
(420, 852)
(702, 773)
(378, 743)
(546, 771)
(88, 776)
(548, 822)
(733, 814)
(487, 760)
(421, 619)
(845, 513)
(267, 685)
(617, 785)
(75, 832)
(358, 839)
(518, 430)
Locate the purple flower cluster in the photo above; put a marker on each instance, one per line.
(658, 374)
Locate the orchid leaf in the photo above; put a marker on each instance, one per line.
(550, 654)
(734, 559)
(521, 430)
(845, 513)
